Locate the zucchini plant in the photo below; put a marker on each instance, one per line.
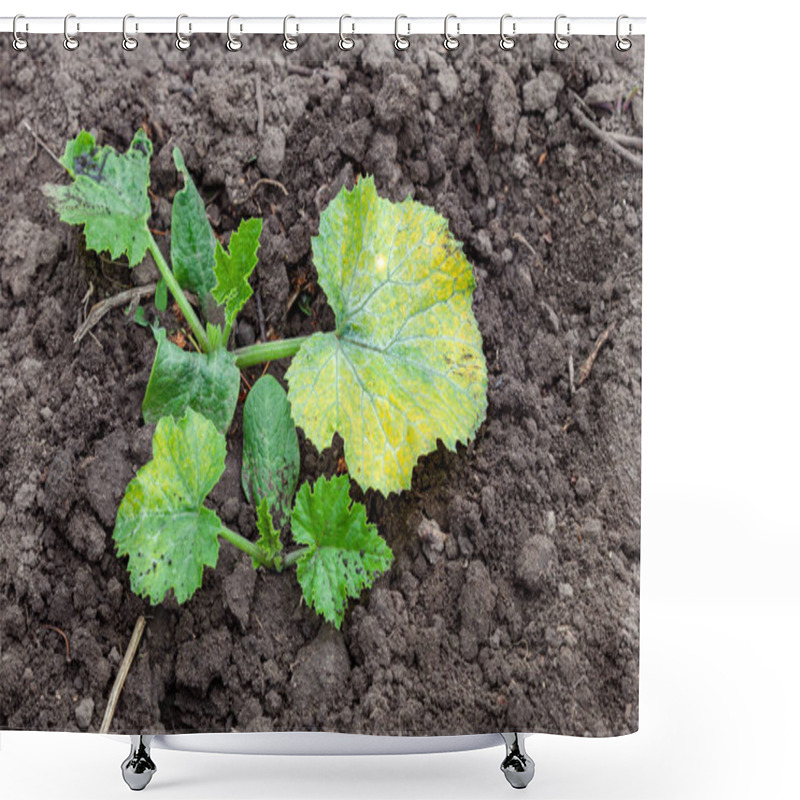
(402, 369)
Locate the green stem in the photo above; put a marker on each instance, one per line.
(290, 559)
(252, 550)
(246, 545)
(267, 351)
(180, 298)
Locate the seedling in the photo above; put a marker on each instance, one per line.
(402, 369)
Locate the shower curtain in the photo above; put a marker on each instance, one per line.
(439, 539)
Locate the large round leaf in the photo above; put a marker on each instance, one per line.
(404, 367)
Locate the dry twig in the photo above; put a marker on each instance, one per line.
(41, 144)
(99, 310)
(261, 182)
(604, 137)
(586, 367)
(62, 635)
(124, 668)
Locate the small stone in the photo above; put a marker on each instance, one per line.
(483, 244)
(433, 539)
(540, 93)
(86, 535)
(273, 151)
(503, 108)
(631, 218)
(583, 489)
(2, 511)
(565, 591)
(245, 333)
(448, 83)
(592, 530)
(550, 522)
(238, 592)
(570, 155)
(536, 564)
(551, 317)
(84, 712)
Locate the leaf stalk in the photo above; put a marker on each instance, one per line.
(180, 298)
(267, 351)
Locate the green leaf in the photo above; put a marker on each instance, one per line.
(193, 241)
(404, 367)
(233, 269)
(161, 295)
(271, 454)
(269, 540)
(162, 525)
(108, 195)
(344, 553)
(205, 382)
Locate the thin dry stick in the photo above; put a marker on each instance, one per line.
(605, 138)
(625, 139)
(41, 143)
(124, 668)
(259, 107)
(518, 237)
(586, 367)
(99, 310)
(63, 636)
(261, 182)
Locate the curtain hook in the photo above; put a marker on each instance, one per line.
(70, 42)
(181, 42)
(506, 41)
(560, 42)
(289, 42)
(451, 42)
(18, 42)
(623, 43)
(129, 42)
(401, 42)
(345, 42)
(234, 43)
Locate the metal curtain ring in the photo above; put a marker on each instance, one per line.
(70, 42)
(506, 41)
(345, 42)
(560, 42)
(18, 43)
(401, 42)
(451, 42)
(181, 42)
(233, 44)
(129, 42)
(289, 42)
(623, 43)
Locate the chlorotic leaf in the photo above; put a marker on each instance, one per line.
(108, 195)
(404, 367)
(269, 540)
(208, 383)
(162, 525)
(193, 241)
(233, 269)
(271, 454)
(343, 551)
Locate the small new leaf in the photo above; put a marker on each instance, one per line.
(162, 525)
(208, 383)
(404, 367)
(108, 195)
(193, 241)
(233, 269)
(271, 454)
(269, 540)
(343, 552)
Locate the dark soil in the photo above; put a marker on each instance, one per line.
(527, 617)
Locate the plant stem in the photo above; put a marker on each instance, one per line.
(290, 559)
(252, 549)
(246, 545)
(267, 351)
(180, 298)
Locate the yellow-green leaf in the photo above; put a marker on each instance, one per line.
(404, 367)
(162, 525)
